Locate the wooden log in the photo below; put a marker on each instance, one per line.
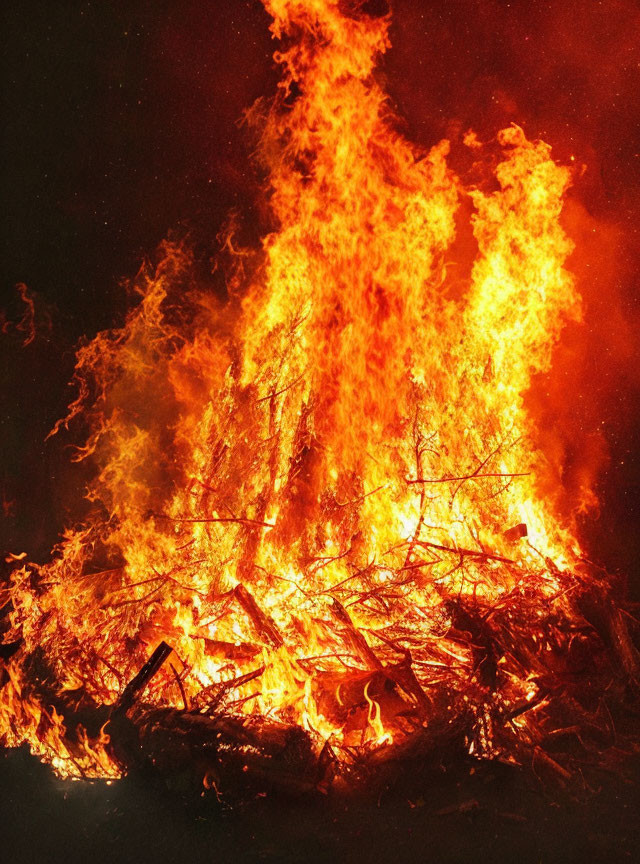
(239, 757)
(517, 532)
(405, 678)
(356, 640)
(137, 684)
(484, 646)
(339, 694)
(598, 608)
(263, 623)
(350, 699)
(221, 650)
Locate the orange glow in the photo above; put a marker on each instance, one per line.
(303, 481)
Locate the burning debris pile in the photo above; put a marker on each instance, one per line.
(322, 544)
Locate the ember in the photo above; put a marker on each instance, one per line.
(320, 548)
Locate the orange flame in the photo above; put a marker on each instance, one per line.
(349, 426)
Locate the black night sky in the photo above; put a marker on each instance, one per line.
(121, 124)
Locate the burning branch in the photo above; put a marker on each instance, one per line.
(264, 625)
(137, 684)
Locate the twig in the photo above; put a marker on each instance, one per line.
(185, 703)
(134, 600)
(253, 523)
(233, 684)
(467, 477)
(460, 551)
(361, 498)
(280, 392)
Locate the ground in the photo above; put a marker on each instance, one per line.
(496, 815)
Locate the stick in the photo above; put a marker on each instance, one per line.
(185, 703)
(466, 477)
(137, 684)
(476, 553)
(358, 642)
(252, 523)
(264, 624)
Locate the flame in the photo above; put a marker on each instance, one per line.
(349, 425)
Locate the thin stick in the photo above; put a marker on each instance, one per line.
(280, 392)
(253, 523)
(473, 552)
(467, 477)
(185, 703)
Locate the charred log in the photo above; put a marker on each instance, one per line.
(150, 668)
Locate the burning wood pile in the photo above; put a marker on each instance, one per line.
(325, 546)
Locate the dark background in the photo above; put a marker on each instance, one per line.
(120, 124)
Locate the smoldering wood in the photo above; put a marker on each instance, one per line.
(137, 684)
(219, 649)
(608, 620)
(235, 754)
(9, 649)
(484, 644)
(240, 755)
(339, 695)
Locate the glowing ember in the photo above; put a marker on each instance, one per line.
(324, 493)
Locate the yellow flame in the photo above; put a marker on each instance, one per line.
(350, 425)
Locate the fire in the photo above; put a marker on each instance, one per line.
(324, 492)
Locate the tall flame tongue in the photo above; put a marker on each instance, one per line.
(317, 492)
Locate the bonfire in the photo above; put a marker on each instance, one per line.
(325, 545)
